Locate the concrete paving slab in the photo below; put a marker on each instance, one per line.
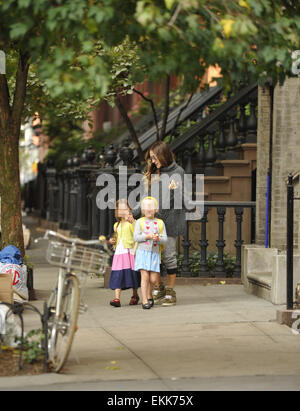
(216, 337)
(240, 383)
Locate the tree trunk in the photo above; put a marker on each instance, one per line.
(10, 191)
(130, 128)
(10, 123)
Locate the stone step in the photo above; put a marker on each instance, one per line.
(263, 279)
(259, 284)
(217, 185)
(236, 168)
(249, 153)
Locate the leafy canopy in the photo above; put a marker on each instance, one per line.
(85, 50)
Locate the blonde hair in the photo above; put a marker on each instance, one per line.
(155, 202)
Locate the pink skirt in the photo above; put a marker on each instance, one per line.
(123, 274)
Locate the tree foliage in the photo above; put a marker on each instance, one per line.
(65, 55)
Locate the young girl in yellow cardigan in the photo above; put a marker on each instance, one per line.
(123, 275)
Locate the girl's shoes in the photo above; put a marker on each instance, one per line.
(149, 304)
(115, 303)
(134, 300)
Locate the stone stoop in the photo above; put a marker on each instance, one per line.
(248, 152)
(234, 177)
(264, 272)
(257, 270)
(260, 284)
(236, 168)
(233, 182)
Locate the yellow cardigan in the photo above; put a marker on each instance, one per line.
(125, 231)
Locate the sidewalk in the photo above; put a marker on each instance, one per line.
(216, 337)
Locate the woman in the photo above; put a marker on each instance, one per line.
(161, 164)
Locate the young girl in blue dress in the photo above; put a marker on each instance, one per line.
(150, 234)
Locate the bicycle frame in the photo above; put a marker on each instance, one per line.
(74, 258)
(58, 312)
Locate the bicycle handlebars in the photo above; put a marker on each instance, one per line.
(101, 241)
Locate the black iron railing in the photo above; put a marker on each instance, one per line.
(290, 240)
(219, 134)
(219, 270)
(17, 309)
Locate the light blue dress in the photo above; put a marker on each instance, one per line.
(147, 260)
(147, 254)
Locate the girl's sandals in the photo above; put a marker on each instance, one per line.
(134, 300)
(115, 303)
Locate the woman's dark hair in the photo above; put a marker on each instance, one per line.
(163, 153)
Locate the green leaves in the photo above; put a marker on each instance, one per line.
(92, 50)
(101, 14)
(18, 30)
(24, 4)
(169, 4)
(32, 345)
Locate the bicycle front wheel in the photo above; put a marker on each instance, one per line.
(63, 327)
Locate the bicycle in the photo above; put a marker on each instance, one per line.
(76, 259)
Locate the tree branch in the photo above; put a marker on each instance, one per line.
(180, 32)
(130, 127)
(213, 15)
(175, 15)
(166, 108)
(20, 91)
(149, 100)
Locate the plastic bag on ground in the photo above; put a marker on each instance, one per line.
(19, 278)
(11, 254)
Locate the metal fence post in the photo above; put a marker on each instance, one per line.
(186, 243)
(289, 243)
(52, 187)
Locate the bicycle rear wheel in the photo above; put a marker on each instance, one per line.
(62, 328)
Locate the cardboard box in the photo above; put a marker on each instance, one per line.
(6, 291)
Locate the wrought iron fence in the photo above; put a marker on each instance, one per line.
(219, 269)
(17, 309)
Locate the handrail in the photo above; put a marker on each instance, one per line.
(219, 270)
(201, 99)
(75, 241)
(196, 129)
(198, 101)
(226, 203)
(243, 204)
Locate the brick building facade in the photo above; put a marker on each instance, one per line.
(264, 271)
(284, 144)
